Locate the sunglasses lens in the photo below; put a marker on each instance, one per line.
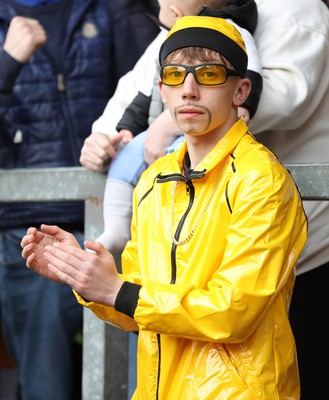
(210, 74)
(173, 75)
(206, 74)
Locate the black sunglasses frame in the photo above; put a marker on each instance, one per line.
(191, 68)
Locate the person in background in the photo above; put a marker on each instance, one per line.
(218, 226)
(125, 169)
(60, 62)
(141, 14)
(292, 119)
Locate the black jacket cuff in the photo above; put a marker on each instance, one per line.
(10, 68)
(127, 298)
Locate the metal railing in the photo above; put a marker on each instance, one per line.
(105, 348)
(105, 354)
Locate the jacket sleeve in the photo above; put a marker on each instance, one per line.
(9, 71)
(295, 76)
(135, 117)
(140, 78)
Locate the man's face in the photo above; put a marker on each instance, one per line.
(199, 109)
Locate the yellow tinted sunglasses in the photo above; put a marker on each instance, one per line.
(204, 74)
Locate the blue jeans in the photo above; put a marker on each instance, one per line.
(129, 164)
(39, 319)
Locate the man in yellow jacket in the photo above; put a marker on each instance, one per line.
(217, 229)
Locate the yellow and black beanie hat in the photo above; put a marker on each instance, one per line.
(210, 32)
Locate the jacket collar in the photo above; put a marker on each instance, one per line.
(224, 147)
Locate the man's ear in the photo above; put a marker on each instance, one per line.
(242, 92)
(177, 13)
(163, 96)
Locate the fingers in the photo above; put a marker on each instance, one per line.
(72, 266)
(52, 233)
(97, 248)
(91, 274)
(63, 263)
(29, 237)
(98, 150)
(30, 259)
(127, 135)
(24, 36)
(55, 231)
(27, 250)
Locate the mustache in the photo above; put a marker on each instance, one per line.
(191, 107)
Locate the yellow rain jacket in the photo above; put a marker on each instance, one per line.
(212, 310)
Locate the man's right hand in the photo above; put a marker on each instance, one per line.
(24, 36)
(99, 149)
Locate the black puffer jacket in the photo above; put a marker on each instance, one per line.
(45, 113)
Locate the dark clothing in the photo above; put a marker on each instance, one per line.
(144, 28)
(242, 12)
(309, 325)
(135, 117)
(47, 108)
(54, 19)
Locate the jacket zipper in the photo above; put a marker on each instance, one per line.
(190, 190)
(61, 87)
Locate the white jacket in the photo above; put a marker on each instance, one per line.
(292, 37)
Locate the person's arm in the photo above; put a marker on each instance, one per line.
(24, 37)
(101, 145)
(99, 149)
(295, 78)
(135, 117)
(235, 301)
(160, 134)
(56, 255)
(10, 68)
